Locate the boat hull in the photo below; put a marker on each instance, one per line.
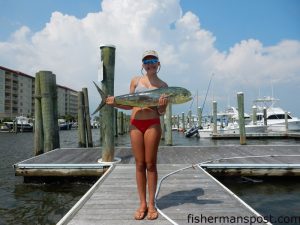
(280, 126)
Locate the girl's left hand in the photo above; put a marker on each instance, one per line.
(163, 100)
(162, 104)
(110, 100)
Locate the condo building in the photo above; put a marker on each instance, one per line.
(17, 95)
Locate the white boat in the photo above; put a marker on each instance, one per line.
(64, 125)
(233, 114)
(95, 124)
(233, 128)
(275, 116)
(227, 123)
(24, 123)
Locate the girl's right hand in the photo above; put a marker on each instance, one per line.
(110, 100)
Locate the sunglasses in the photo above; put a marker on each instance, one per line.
(150, 61)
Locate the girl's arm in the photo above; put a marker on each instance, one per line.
(110, 100)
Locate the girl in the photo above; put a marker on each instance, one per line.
(145, 133)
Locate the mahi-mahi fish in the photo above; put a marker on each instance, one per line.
(175, 95)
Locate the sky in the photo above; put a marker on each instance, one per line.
(249, 46)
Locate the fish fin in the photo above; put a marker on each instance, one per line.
(169, 95)
(103, 98)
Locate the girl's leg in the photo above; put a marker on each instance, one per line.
(137, 143)
(151, 140)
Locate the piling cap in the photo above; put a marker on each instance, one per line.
(107, 45)
(150, 53)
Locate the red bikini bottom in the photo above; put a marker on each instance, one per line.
(143, 125)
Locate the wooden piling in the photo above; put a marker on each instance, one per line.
(55, 112)
(127, 123)
(15, 126)
(81, 121)
(265, 116)
(169, 139)
(38, 122)
(199, 112)
(254, 115)
(108, 141)
(286, 122)
(215, 125)
(174, 121)
(240, 100)
(178, 122)
(87, 117)
(122, 121)
(124, 128)
(117, 122)
(49, 110)
(183, 121)
(190, 119)
(162, 125)
(101, 128)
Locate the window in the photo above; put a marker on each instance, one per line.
(278, 116)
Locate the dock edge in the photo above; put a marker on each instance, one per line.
(66, 219)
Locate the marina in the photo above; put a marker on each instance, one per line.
(194, 168)
(205, 112)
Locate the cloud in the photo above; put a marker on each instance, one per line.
(69, 47)
(252, 63)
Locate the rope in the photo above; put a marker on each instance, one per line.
(199, 165)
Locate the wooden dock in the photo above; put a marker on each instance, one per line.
(269, 135)
(184, 197)
(223, 160)
(190, 194)
(62, 162)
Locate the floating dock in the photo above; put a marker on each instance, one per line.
(189, 196)
(61, 163)
(252, 160)
(269, 135)
(187, 191)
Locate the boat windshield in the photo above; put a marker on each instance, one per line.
(278, 116)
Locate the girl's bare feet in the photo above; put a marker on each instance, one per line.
(152, 213)
(140, 213)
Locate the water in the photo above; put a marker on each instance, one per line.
(278, 199)
(47, 203)
(32, 203)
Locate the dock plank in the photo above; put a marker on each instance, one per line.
(67, 155)
(166, 155)
(188, 192)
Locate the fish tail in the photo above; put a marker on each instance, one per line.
(103, 98)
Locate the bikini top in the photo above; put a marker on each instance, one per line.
(141, 88)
